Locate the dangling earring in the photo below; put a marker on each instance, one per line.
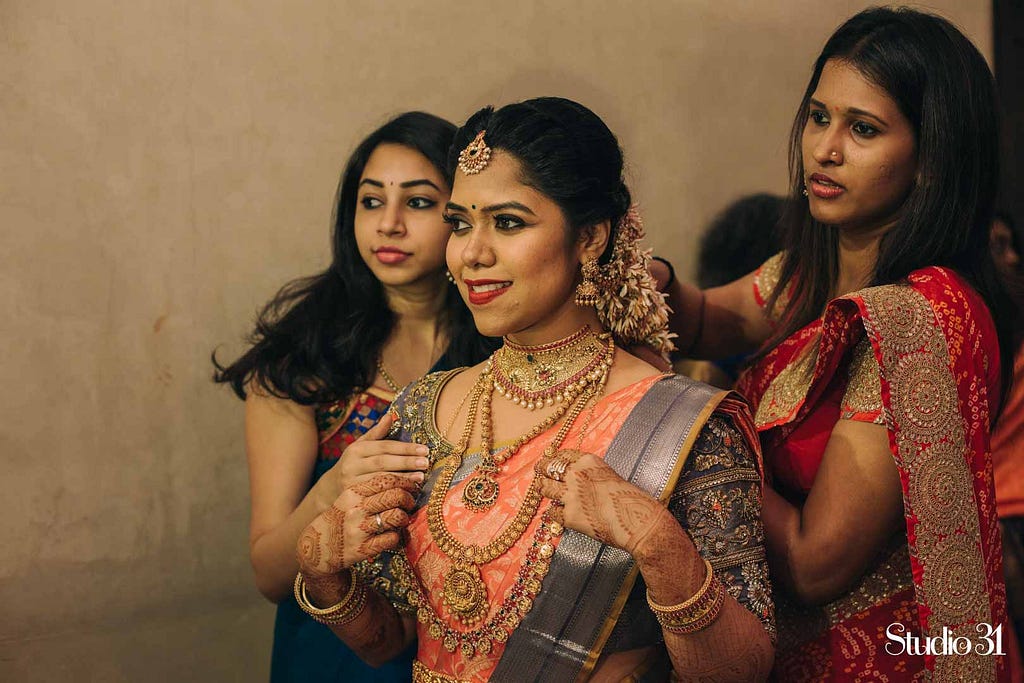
(586, 291)
(804, 191)
(448, 274)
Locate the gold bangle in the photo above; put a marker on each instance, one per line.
(701, 592)
(696, 613)
(346, 610)
(697, 621)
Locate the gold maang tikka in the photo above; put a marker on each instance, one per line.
(476, 156)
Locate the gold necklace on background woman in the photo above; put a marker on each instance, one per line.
(570, 373)
(386, 376)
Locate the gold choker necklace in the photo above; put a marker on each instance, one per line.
(542, 375)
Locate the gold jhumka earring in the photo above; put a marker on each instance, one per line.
(586, 291)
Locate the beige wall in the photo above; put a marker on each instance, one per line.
(167, 165)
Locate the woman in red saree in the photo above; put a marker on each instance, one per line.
(878, 377)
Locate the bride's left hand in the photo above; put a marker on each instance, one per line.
(597, 501)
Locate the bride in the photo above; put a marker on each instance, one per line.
(585, 516)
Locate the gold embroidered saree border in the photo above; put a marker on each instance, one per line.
(932, 451)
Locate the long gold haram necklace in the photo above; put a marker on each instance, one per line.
(464, 592)
(532, 377)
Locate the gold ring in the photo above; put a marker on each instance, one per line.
(379, 521)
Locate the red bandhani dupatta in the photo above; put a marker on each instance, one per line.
(937, 352)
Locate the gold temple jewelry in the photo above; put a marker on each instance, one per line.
(476, 156)
(587, 293)
(517, 603)
(482, 490)
(474, 400)
(388, 379)
(538, 376)
(464, 591)
(697, 620)
(423, 674)
(465, 397)
(572, 379)
(347, 609)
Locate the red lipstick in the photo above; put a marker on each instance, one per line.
(483, 292)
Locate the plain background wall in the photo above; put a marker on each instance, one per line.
(165, 166)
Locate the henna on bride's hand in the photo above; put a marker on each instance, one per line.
(387, 500)
(376, 544)
(588, 492)
(309, 547)
(390, 520)
(733, 654)
(384, 482)
(327, 589)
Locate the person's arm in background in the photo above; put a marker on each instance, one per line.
(714, 323)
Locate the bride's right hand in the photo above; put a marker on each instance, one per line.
(365, 520)
(372, 454)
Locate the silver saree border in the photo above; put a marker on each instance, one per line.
(588, 582)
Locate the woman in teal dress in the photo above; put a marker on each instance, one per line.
(327, 356)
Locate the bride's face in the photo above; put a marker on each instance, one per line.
(512, 252)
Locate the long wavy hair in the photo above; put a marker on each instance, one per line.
(944, 88)
(317, 340)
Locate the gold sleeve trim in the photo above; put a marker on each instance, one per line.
(864, 385)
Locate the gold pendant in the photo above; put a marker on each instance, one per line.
(465, 594)
(481, 492)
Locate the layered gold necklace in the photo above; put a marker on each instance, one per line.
(533, 376)
(464, 592)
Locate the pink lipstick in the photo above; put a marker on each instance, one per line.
(391, 255)
(824, 187)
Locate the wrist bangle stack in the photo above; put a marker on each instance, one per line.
(340, 614)
(697, 613)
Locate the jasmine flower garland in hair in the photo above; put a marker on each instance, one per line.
(629, 304)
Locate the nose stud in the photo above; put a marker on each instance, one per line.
(834, 154)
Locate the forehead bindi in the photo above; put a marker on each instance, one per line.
(391, 165)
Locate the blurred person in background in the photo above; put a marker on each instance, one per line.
(742, 236)
(1008, 435)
